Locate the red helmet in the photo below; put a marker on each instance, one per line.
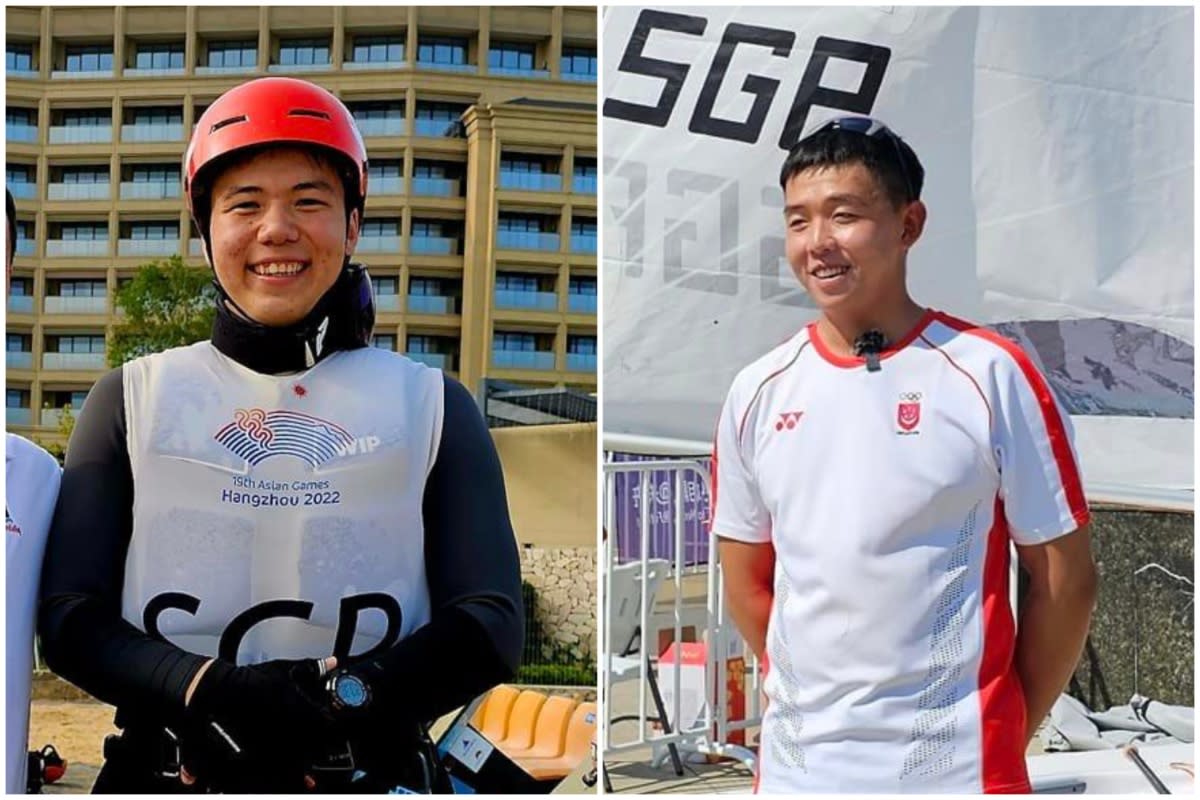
(274, 111)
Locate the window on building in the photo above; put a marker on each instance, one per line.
(80, 288)
(90, 174)
(528, 164)
(524, 222)
(83, 231)
(442, 112)
(16, 398)
(384, 341)
(583, 227)
(511, 55)
(526, 342)
(86, 118)
(427, 287)
(232, 54)
(583, 345)
(516, 282)
(21, 287)
(381, 227)
(303, 52)
(17, 343)
(378, 49)
(422, 228)
(433, 169)
(579, 61)
(20, 116)
(155, 173)
(18, 173)
(18, 57)
(89, 58)
(585, 167)
(386, 285)
(582, 286)
(445, 50)
(80, 343)
(159, 55)
(372, 111)
(155, 115)
(385, 169)
(157, 231)
(24, 230)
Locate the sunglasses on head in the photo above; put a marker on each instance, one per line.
(873, 129)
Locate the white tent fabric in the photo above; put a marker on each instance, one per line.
(1057, 144)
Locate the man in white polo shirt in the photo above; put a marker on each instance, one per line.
(871, 472)
(31, 488)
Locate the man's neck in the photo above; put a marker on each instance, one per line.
(840, 331)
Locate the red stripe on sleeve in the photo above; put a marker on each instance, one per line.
(1060, 445)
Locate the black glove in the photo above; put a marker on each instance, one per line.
(256, 728)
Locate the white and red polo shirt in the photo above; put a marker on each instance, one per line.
(890, 498)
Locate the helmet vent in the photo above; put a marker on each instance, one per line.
(226, 123)
(307, 112)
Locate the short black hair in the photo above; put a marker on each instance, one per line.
(835, 147)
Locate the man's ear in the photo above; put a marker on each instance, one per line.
(352, 228)
(913, 223)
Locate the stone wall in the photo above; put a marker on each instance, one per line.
(565, 581)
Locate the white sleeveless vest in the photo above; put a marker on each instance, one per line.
(279, 516)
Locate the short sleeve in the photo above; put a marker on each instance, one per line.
(1039, 470)
(738, 510)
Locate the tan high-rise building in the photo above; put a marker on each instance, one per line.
(480, 125)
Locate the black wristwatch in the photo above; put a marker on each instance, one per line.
(348, 692)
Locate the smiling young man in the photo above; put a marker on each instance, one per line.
(871, 474)
(281, 552)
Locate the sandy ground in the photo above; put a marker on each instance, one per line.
(77, 729)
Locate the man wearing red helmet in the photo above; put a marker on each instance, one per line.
(279, 553)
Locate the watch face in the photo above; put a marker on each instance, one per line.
(351, 691)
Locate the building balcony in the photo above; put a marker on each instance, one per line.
(81, 74)
(580, 77)
(380, 127)
(153, 72)
(527, 240)
(537, 301)
(23, 191)
(435, 187)
(531, 181)
(435, 360)
(523, 359)
(517, 72)
(21, 74)
(436, 128)
(18, 417)
(284, 69)
(584, 184)
(392, 184)
(360, 65)
(20, 304)
(18, 359)
(581, 362)
(431, 304)
(152, 132)
(196, 247)
(94, 248)
(26, 247)
(581, 303)
(387, 302)
(230, 70)
(78, 191)
(73, 361)
(147, 247)
(52, 417)
(56, 304)
(150, 190)
(433, 245)
(378, 244)
(469, 68)
(583, 243)
(80, 134)
(21, 133)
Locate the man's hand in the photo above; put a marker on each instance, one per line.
(256, 728)
(1054, 621)
(749, 571)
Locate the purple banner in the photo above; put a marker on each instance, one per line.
(661, 493)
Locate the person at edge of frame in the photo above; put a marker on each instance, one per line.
(281, 552)
(872, 472)
(31, 478)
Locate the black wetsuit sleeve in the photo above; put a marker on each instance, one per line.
(476, 630)
(84, 638)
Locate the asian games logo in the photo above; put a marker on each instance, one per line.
(257, 435)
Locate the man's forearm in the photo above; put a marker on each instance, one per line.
(1050, 638)
(750, 608)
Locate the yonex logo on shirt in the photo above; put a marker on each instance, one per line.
(788, 420)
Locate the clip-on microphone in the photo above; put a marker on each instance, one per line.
(869, 345)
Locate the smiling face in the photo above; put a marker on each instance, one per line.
(846, 241)
(278, 233)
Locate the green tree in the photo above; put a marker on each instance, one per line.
(167, 304)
